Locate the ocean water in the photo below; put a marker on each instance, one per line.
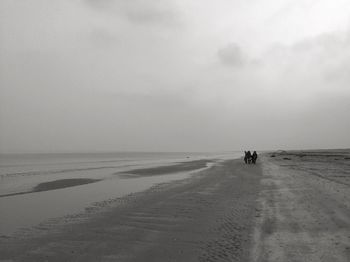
(21, 173)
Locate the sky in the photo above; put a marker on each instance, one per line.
(174, 75)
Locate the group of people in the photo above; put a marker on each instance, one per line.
(250, 158)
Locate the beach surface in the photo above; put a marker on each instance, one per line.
(38, 188)
(207, 217)
(304, 207)
(290, 206)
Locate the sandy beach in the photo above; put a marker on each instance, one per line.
(290, 206)
(304, 207)
(130, 130)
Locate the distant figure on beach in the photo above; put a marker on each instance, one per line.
(254, 157)
(247, 157)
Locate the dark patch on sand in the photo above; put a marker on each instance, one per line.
(161, 170)
(63, 183)
(57, 184)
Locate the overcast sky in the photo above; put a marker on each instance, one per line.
(174, 75)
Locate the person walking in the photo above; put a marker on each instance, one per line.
(254, 157)
(249, 157)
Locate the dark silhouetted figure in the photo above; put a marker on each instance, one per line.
(254, 157)
(248, 157)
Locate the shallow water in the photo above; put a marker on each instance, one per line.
(26, 171)
(28, 210)
(19, 173)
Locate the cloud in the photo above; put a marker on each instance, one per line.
(199, 67)
(100, 4)
(323, 57)
(139, 11)
(232, 55)
(102, 38)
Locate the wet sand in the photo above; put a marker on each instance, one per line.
(170, 169)
(207, 217)
(161, 170)
(291, 206)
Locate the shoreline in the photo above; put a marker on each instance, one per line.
(201, 216)
(287, 207)
(169, 169)
(58, 199)
(176, 167)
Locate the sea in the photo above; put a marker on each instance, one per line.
(20, 173)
